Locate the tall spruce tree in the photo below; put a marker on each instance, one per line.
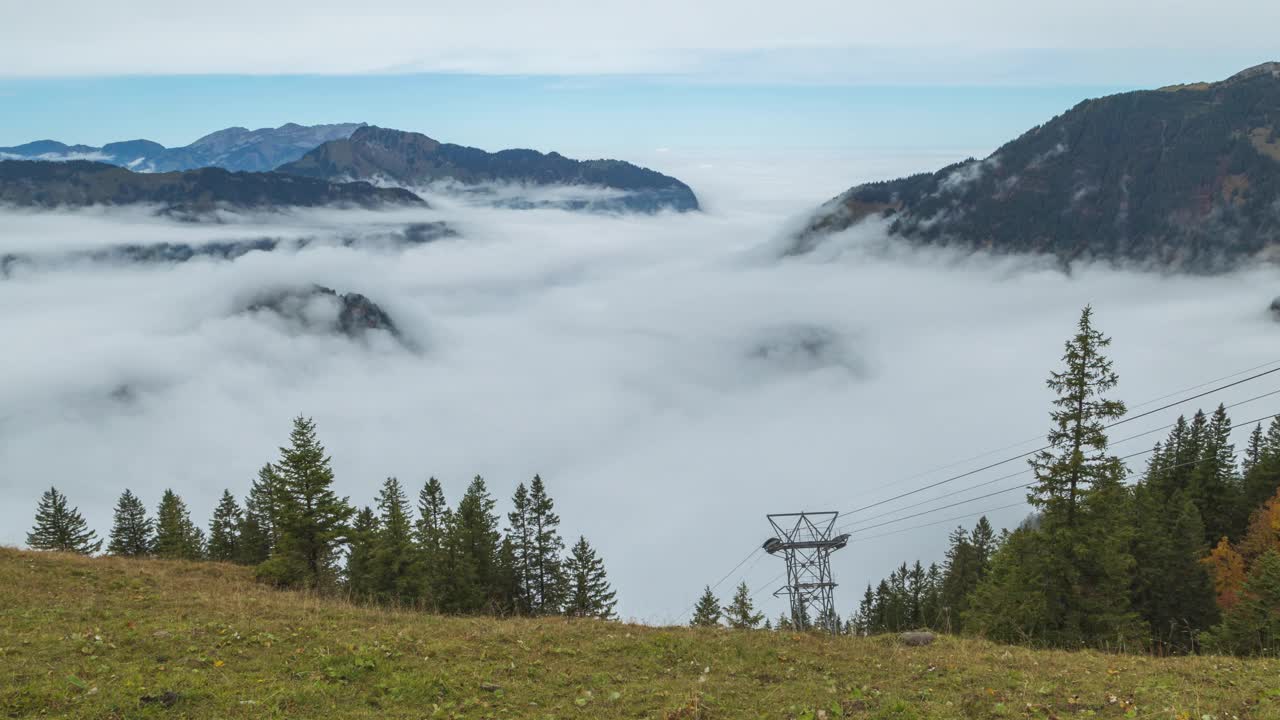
(224, 529)
(61, 528)
(1077, 456)
(473, 581)
(520, 551)
(1067, 580)
(132, 532)
(547, 581)
(707, 612)
(177, 537)
(740, 613)
(311, 517)
(589, 593)
(397, 565)
(430, 534)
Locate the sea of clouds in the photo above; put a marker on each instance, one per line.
(669, 376)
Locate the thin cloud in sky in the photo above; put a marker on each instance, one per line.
(797, 40)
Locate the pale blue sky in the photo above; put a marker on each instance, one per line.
(604, 76)
(578, 115)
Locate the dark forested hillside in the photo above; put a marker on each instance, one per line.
(1185, 177)
(77, 183)
(414, 159)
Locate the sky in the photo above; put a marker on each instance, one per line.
(603, 77)
(671, 377)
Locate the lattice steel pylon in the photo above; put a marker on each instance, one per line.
(806, 542)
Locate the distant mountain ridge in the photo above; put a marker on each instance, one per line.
(235, 148)
(1183, 178)
(412, 159)
(80, 183)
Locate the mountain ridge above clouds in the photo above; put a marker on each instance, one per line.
(80, 183)
(1184, 178)
(234, 148)
(414, 159)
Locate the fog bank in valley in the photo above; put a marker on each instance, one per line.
(669, 377)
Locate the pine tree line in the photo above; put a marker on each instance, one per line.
(1185, 557)
(299, 533)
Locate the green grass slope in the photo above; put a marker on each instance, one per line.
(112, 638)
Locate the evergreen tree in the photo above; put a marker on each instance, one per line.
(959, 579)
(433, 514)
(589, 593)
(361, 578)
(177, 537)
(740, 613)
(885, 618)
(547, 573)
(311, 520)
(473, 545)
(1187, 453)
(224, 529)
(510, 591)
(1100, 610)
(931, 597)
(1167, 544)
(520, 549)
(1010, 604)
(1252, 626)
(707, 612)
(430, 533)
(967, 560)
(1252, 451)
(1077, 455)
(131, 530)
(259, 526)
(1082, 569)
(917, 591)
(60, 528)
(1215, 488)
(1261, 474)
(396, 565)
(864, 619)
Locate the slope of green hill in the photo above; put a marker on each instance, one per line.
(112, 638)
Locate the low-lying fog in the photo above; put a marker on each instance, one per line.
(668, 376)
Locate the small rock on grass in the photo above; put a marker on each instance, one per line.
(917, 638)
